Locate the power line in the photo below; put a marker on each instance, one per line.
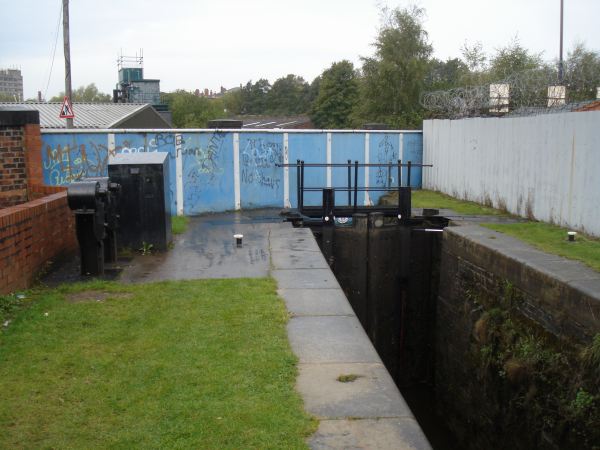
(53, 50)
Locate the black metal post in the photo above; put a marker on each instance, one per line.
(355, 184)
(409, 166)
(349, 182)
(298, 184)
(389, 178)
(399, 173)
(399, 186)
(301, 186)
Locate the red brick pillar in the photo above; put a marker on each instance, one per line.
(19, 137)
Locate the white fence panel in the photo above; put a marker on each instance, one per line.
(545, 167)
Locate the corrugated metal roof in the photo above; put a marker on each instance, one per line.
(87, 115)
(267, 122)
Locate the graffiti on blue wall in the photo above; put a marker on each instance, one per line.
(204, 162)
(208, 186)
(261, 180)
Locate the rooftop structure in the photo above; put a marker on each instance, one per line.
(96, 115)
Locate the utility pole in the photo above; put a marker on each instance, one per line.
(67, 51)
(561, 69)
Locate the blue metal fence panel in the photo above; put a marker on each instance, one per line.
(344, 147)
(261, 182)
(312, 148)
(207, 163)
(413, 152)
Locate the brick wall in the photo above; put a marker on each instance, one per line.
(31, 234)
(13, 175)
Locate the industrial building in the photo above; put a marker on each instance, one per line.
(11, 84)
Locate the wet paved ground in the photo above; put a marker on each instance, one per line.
(208, 249)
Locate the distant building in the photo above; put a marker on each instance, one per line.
(95, 115)
(134, 88)
(11, 83)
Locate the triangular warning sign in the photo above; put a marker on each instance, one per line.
(66, 110)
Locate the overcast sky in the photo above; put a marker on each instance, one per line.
(191, 44)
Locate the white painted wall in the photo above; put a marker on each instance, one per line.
(547, 165)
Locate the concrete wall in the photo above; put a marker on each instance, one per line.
(214, 170)
(544, 167)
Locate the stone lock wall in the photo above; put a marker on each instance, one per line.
(517, 344)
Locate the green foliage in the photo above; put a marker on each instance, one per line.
(10, 305)
(85, 94)
(394, 77)
(445, 75)
(191, 111)
(146, 248)
(191, 364)
(254, 97)
(535, 379)
(337, 97)
(511, 59)
(591, 355)
(288, 96)
(583, 402)
(582, 70)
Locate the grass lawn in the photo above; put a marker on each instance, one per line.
(553, 239)
(179, 224)
(437, 200)
(195, 364)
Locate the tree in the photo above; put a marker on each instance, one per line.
(393, 78)
(85, 94)
(582, 73)
(445, 75)
(254, 97)
(512, 59)
(191, 111)
(289, 95)
(337, 97)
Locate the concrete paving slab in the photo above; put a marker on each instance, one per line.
(295, 243)
(330, 339)
(282, 259)
(208, 250)
(305, 279)
(316, 302)
(372, 394)
(371, 434)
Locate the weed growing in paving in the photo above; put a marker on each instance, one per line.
(195, 364)
(179, 224)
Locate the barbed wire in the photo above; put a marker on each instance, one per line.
(535, 91)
